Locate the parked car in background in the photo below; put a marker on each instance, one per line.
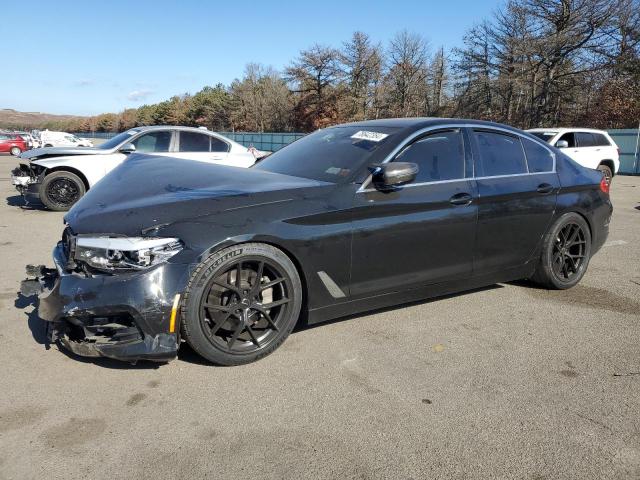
(590, 148)
(62, 139)
(349, 218)
(59, 177)
(26, 136)
(12, 143)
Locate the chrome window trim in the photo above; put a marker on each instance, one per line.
(447, 126)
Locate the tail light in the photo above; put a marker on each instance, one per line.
(604, 185)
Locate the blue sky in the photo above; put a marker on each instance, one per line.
(92, 57)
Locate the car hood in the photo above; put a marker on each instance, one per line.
(40, 153)
(148, 192)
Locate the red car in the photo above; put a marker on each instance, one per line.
(12, 143)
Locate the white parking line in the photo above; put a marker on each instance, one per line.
(614, 243)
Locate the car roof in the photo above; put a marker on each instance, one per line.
(418, 123)
(148, 128)
(566, 129)
(170, 127)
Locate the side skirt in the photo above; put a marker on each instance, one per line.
(421, 293)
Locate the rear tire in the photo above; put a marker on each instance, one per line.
(15, 151)
(566, 250)
(606, 171)
(241, 304)
(61, 190)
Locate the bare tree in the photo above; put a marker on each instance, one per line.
(361, 67)
(406, 75)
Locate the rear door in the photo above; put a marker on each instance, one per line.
(422, 233)
(517, 189)
(589, 151)
(202, 147)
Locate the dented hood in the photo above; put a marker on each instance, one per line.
(39, 153)
(154, 191)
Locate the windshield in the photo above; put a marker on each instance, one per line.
(117, 140)
(546, 136)
(328, 155)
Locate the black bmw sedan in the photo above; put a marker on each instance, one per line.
(347, 219)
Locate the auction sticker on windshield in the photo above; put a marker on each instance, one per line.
(371, 136)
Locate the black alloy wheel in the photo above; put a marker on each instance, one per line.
(566, 251)
(243, 307)
(61, 190)
(241, 304)
(569, 251)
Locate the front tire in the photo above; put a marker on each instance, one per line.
(15, 151)
(566, 251)
(61, 190)
(241, 304)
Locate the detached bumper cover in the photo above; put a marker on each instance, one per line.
(124, 316)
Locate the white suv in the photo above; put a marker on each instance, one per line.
(590, 148)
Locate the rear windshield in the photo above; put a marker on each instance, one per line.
(328, 155)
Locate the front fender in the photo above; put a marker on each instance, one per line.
(92, 167)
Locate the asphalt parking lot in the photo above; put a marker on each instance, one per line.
(509, 381)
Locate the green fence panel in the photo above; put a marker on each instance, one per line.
(268, 141)
(627, 141)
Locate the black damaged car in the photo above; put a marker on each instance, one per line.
(347, 219)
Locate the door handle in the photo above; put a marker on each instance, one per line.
(544, 188)
(461, 199)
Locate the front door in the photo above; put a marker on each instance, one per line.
(422, 233)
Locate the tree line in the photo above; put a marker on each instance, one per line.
(533, 63)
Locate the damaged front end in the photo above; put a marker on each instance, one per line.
(26, 178)
(124, 314)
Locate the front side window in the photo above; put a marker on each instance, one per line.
(500, 154)
(439, 156)
(194, 142)
(570, 138)
(153, 142)
(539, 158)
(585, 139)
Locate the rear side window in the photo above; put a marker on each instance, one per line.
(601, 140)
(439, 156)
(585, 139)
(500, 154)
(539, 158)
(218, 145)
(194, 142)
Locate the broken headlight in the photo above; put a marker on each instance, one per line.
(124, 253)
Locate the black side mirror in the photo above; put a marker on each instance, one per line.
(127, 148)
(394, 174)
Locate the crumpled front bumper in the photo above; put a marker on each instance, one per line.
(27, 185)
(125, 316)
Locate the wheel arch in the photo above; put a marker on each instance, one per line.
(609, 163)
(75, 171)
(273, 242)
